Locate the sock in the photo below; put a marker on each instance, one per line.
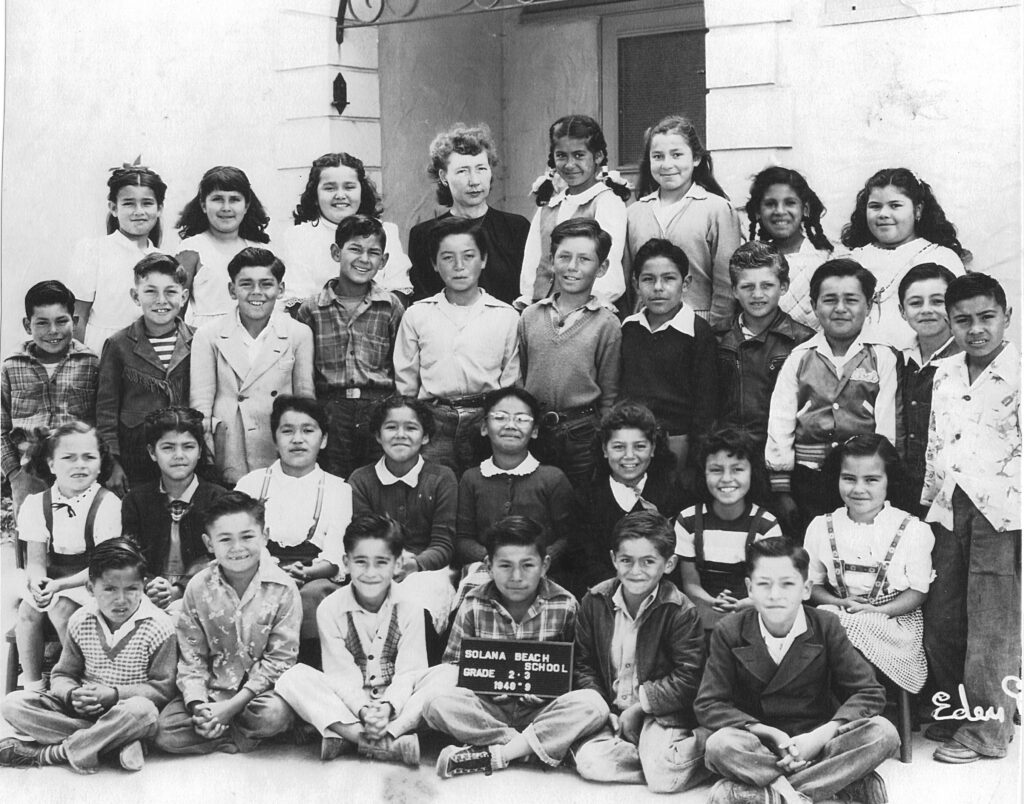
(53, 755)
(498, 761)
(35, 686)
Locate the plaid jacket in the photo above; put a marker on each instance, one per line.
(551, 618)
(352, 350)
(31, 399)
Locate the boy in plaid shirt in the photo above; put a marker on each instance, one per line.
(50, 382)
(116, 668)
(355, 323)
(519, 603)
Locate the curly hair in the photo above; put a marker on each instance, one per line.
(308, 208)
(459, 139)
(811, 219)
(193, 220)
(703, 174)
(932, 224)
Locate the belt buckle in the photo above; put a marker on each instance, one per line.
(353, 393)
(550, 418)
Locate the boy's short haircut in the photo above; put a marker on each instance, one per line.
(629, 414)
(254, 256)
(777, 547)
(375, 526)
(524, 396)
(922, 272)
(301, 404)
(446, 227)
(395, 402)
(843, 267)
(174, 419)
(659, 247)
(355, 227)
(648, 525)
(50, 291)
(583, 227)
(757, 254)
(115, 554)
(515, 531)
(163, 264)
(234, 502)
(971, 285)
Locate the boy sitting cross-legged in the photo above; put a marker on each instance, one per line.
(238, 632)
(639, 643)
(519, 603)
(374, 652)
(774, 676)
(116, 669)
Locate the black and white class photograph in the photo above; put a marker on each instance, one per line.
(571, 401)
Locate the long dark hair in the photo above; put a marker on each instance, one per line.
(136, 176)
(815, 209)
(193, 220)
(703, 173)
(308, 208)
(578, 127)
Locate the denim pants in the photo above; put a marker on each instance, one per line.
(573, 446)
(549, 728)
(456, 442)
(859, 747)
(666, 759)
(350, 444)
(48, 720)
(972, 621)
(264, 716)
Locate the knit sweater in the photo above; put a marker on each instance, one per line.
(427, 512)
(141, 664)
(569, 367)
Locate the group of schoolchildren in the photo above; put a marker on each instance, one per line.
(608, 453)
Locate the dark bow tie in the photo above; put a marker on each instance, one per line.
(58, 505)
(178, 509)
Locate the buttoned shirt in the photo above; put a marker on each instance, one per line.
(175, 565)
(626, 686)
(229, 642)
(626, 496)
(69, 517)
(682, 321)
(551, 617)
(352, 349)
(974, 440)
(447, 351)
(778, 647)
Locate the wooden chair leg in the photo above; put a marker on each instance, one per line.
(904, 712)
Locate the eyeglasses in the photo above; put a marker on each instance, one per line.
(500, 417)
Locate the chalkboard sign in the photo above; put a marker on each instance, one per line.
(508, 667)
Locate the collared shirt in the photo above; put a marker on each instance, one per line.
(30, 397)
(291, 508)
(410, 478)
(681, 321)
(69, 516)
(352, 350)
(175, 569)
(626, 496)
(626, 685)
(912, 353)
(796, 301)
(253, 345)
(560, 322)
(974, 440)
(447, 351)
(527, 467)
(146, 610)
(778, 647)
(550, 618)
(229, 642)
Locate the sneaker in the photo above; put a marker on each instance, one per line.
(455, 760)
(131, 756)
(940, 732)
(393, 749)
(869, 790)
(333, 747)
(15, 754)
(729, 792)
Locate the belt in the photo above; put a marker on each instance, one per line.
(553, 418)
(356, 393)
(471, 401)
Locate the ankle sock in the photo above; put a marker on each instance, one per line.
(498, 761)
(53, 755)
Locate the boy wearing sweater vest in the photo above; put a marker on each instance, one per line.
(831, 388)
(668, 351)
(115, 671)
(374, 651)
(569, 346)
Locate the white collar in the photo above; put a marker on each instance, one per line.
(579, 199)
(695, 191)
(410, 478)
(117, 236)
(147, 610)
(683, 321)
(277, 471)
(85, 497)
(186, 495)
(626, 496)
(527, 467)
(782, 644)
(913, 352)
(619, 602)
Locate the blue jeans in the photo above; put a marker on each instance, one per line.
(972, 621)
(456, 442)
(350, 444)
(573, 446)
(264, 716)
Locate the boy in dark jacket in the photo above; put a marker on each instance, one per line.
(639, 643)
(769, 690)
